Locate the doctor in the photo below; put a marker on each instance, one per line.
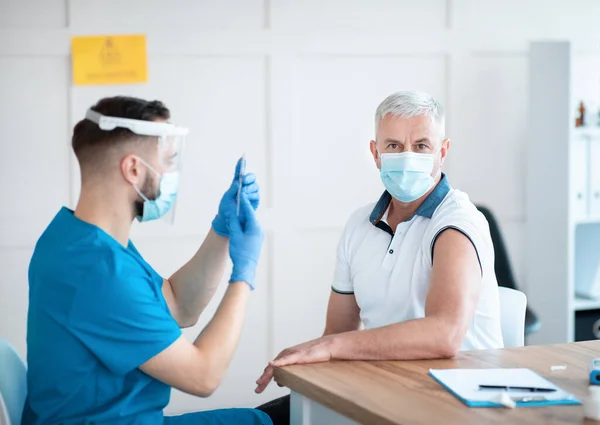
(104, 340)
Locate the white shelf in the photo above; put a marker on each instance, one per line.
(591, 132)
(589, 220)
(586, 304)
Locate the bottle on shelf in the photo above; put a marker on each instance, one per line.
(580, 120)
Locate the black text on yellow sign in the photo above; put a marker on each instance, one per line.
(109, 59)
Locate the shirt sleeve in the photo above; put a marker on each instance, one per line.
(342, 278)
(471, 226)
(123, 321)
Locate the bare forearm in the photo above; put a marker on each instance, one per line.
(220, 337)
(195, 283)
(426, 338)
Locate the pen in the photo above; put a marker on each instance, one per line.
(240, 181)
(510, 388)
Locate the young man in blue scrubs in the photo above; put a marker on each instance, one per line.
(104, 341)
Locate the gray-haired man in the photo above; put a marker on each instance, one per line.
(416, 267)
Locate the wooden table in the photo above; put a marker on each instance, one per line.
(401, 392)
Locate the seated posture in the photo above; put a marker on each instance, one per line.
(104, 340)
(416, 267)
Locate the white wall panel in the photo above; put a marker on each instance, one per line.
(537, 17)
(329, 169)
(303, 267)
(221, 101)
(488, 136)
(375, 15)
(147, 15)
(33, 14)
(35, 160)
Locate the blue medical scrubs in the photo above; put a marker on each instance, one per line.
(96, 313)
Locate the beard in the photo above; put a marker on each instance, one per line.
(148, 191)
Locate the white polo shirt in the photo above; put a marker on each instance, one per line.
(389, 273)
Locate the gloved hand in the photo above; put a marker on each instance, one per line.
(245, 242)
(228, 204)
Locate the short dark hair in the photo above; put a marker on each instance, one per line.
(90, 143)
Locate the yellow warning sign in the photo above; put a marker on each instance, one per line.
(109, 59)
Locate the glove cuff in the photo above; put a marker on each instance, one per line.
(246, 275)
(220, 227)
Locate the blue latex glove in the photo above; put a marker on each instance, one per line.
(228, 204)
(245, 242)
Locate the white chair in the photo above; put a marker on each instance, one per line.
(3, 412)
(13, 384)
(512, 316)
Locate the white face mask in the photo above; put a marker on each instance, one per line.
(407, 175)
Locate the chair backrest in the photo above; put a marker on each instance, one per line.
(3, 412)
(13, 382)
(502, 266)
(512, 316)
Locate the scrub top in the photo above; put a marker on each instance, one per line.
(96, 313)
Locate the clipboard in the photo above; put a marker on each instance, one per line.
(464, 385)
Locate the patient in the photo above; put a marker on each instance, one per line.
(416, 267)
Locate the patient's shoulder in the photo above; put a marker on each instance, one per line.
(360, 216)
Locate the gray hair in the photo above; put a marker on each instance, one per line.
(409, 104)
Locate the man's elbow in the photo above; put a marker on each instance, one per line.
(448, 350)
(186, 319)
(187, 322)
(205, 386)
(449, 343)
(205, 390)
(206, 378)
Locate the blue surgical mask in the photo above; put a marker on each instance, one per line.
(407, 175)
(167, 195)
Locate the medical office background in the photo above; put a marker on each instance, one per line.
(293, 84)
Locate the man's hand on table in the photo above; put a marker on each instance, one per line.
(315, 351)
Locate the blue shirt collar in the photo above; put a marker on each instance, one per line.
(426, 209)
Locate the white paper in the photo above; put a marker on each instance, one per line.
(465, 383)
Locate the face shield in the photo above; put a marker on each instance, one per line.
(170, 139)
(170, 152)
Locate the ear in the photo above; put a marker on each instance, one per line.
(444, 150)
(375, 153)
(131, 169)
